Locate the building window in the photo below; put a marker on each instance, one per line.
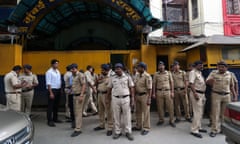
(194, 9)
(233, 7)
(231, 53)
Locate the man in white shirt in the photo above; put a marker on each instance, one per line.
(53, 82)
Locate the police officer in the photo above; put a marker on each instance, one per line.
(143, 86)
(28, 90)
(68, 83)
(91, 89)
(190, 68)
(122, 87)
(222, 85)
(78, 90)
(180, 92)
(197, 96)
(163, 91)
(104, 109)
(13, 88)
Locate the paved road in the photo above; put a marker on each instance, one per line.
(159, 134)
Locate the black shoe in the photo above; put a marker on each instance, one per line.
(189, 120)
(98, 128)
(116, 136)
(95, 113)
(57, 121)
(160, 123)
(51, 124)
(177, 120)
(144, 132)
(109, 133)
(212, 134)
(172, 124)
(129, 136)
(76, 133)
(198, 135)
(203, 131)
(136, 129)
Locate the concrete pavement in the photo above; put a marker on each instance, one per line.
(158, 134)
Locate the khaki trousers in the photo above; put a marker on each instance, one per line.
(180, 98)
(104, 110)
(27, 98)
(198, 106)
(121, 111)
(165, 97)
(67, 110)
(14, 101)
(78, 107)
(189, 102)
(89, 101)
(142, 112)
(219, 103)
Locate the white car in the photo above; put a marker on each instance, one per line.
(15, 127)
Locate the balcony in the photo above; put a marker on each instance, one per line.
(177, 28)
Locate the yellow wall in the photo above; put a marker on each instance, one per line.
(193, 55)
(148, 56)
(172, 51)
(41, 60)
(10, 55)
(214, 55)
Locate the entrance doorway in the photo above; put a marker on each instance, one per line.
(120, 58)
(163, 58)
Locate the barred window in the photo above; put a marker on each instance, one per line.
(231, 53)
(233, 7)
(194, 9)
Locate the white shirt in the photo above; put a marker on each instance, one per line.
(53, 78)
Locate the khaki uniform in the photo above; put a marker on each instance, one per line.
(221, 96)
(162, 80)
(188, 95)
(78, 81)
(89, 96)
(143, 84)
(235, 84)
(103, 108)
(121, 102)
(27, 94)
(13, 96)
(67, 91)
(180, 96)
(196, 78)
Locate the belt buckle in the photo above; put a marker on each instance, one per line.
(178, 89)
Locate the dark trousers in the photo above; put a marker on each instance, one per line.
(52, 110)
(70, 105)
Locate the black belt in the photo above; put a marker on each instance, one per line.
(102, 92)
(12, 92)
(56, 89)
(221, 93)
(27, 90)
(179, 89)
(201, 92)
(78, 94)
(163, 89)
(141, 94)
(122, 96)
